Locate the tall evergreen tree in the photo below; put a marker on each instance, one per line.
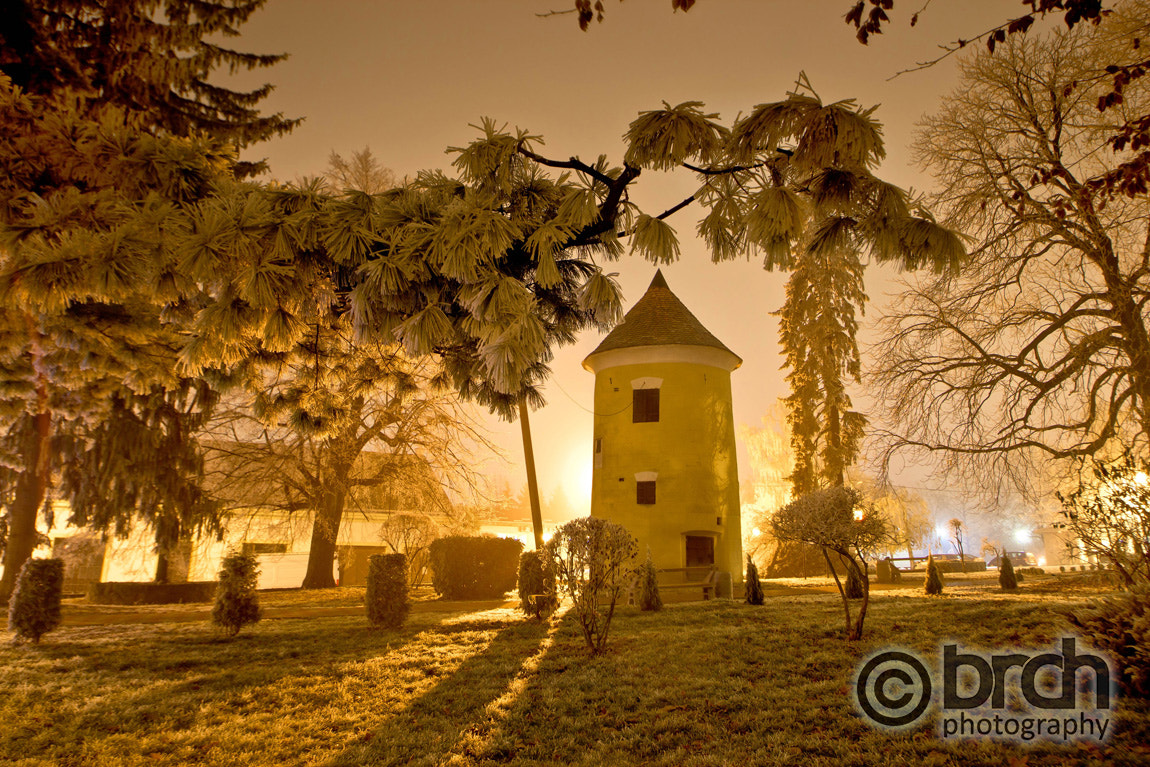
(104, 109)
(86, 270)
(142, 462)
(153, 58)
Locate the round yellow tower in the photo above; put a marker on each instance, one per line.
(664, 441)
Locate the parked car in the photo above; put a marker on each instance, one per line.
(1017, 559)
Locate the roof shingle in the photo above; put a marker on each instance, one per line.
(659, 318)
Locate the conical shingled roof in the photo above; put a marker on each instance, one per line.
(659, 318)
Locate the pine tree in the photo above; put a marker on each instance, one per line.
(35, 606)
(103, 112)
(934, 580)
(237, 601)
(1006, 577)
(153, 58)
(142, 462)
(87, 269)
(649, 598)
(498, 264)
(754, 586)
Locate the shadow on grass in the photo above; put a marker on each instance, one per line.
(428, 729)
(108, 683)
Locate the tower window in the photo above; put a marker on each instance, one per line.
(598, 445)
(645, 406)
(645, 492)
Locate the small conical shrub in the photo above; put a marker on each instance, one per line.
(34, 609)
(537, 597)
(649, 598)
(754, 586)
(933, 578)
(387, 596)
(237, 603)
(1006, 577)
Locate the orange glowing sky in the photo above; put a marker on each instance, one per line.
(407, 78)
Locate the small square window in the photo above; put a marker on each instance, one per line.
(645, 406)
(645, 492)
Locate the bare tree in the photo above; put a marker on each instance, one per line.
(906, 512)
(411, 535)
(1109, 516)
(956, 526)
(837, 520)
(363, 172)
(340, 423)
(1040, 346)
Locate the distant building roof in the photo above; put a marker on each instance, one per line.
(659, 318)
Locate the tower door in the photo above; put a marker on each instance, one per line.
(700, 550)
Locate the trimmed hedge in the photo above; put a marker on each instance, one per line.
(948, 566)
(481, 567)
(34, 609)
(134, 593)
(387, 597)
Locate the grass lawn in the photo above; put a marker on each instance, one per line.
(697, 684)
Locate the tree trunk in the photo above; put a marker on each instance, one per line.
(173, 560)
(842, 591)
(324, 532)
(906, 535)
(532, 481)
(857, 631)
(31, 487)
